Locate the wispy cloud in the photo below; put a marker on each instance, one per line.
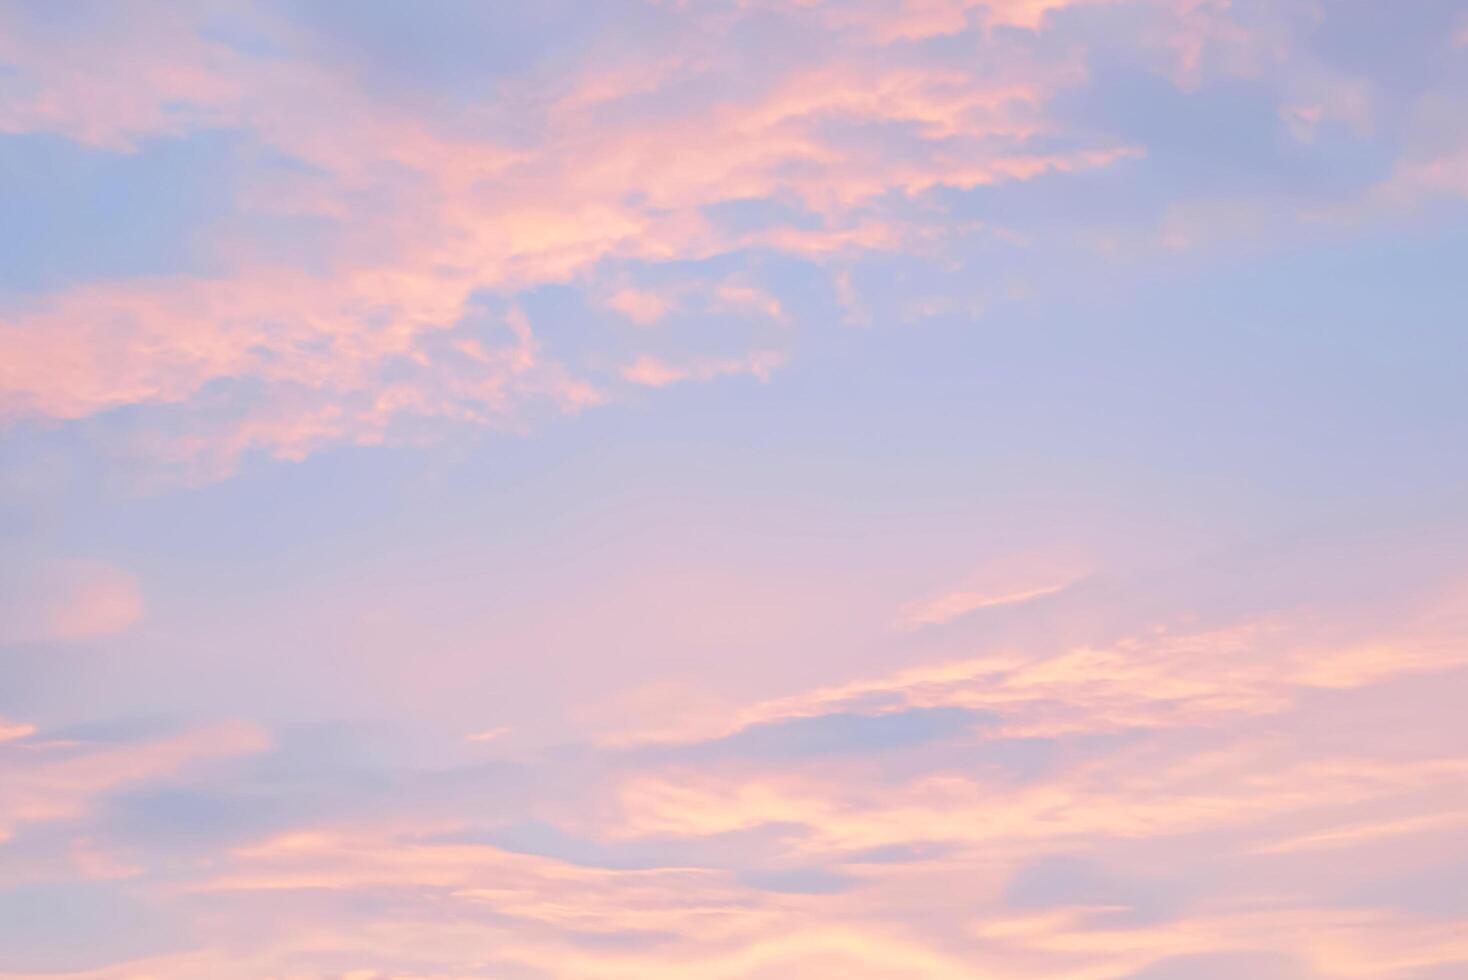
(68, 600)
(953, 605)
(653, 372)
(877, 489)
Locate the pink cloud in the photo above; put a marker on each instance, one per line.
(952, 605)
(1172, 750)
(52, 780)
(638, 305)
(778, 765)
(1007, 582)
(71, 601)
(11, 730)
(437, 216)
(653, 372)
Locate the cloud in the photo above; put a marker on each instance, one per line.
(585, 156)
(70, 601)
(638, 305)
(702, 727)
(954, 605)
(772, 848)
(52, 780)
(11, 730)
(422, 210)
(1008, 580)
(654, 372)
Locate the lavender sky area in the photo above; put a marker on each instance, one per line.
(734, 489)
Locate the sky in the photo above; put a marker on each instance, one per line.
(734, 489)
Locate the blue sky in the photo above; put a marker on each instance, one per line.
(913, 489)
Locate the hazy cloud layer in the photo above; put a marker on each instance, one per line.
(734, 489)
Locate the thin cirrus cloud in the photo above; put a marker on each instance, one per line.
(66, 601)
(745, 489)
(437, 212)
(1008, 580)
(630, 153)
(656, 373)
(1080, 818)
(949, 606)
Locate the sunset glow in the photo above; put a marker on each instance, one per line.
(734, 489)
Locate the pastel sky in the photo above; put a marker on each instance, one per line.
(734, 489)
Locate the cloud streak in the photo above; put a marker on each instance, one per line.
(423, 208)
(884, 489)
